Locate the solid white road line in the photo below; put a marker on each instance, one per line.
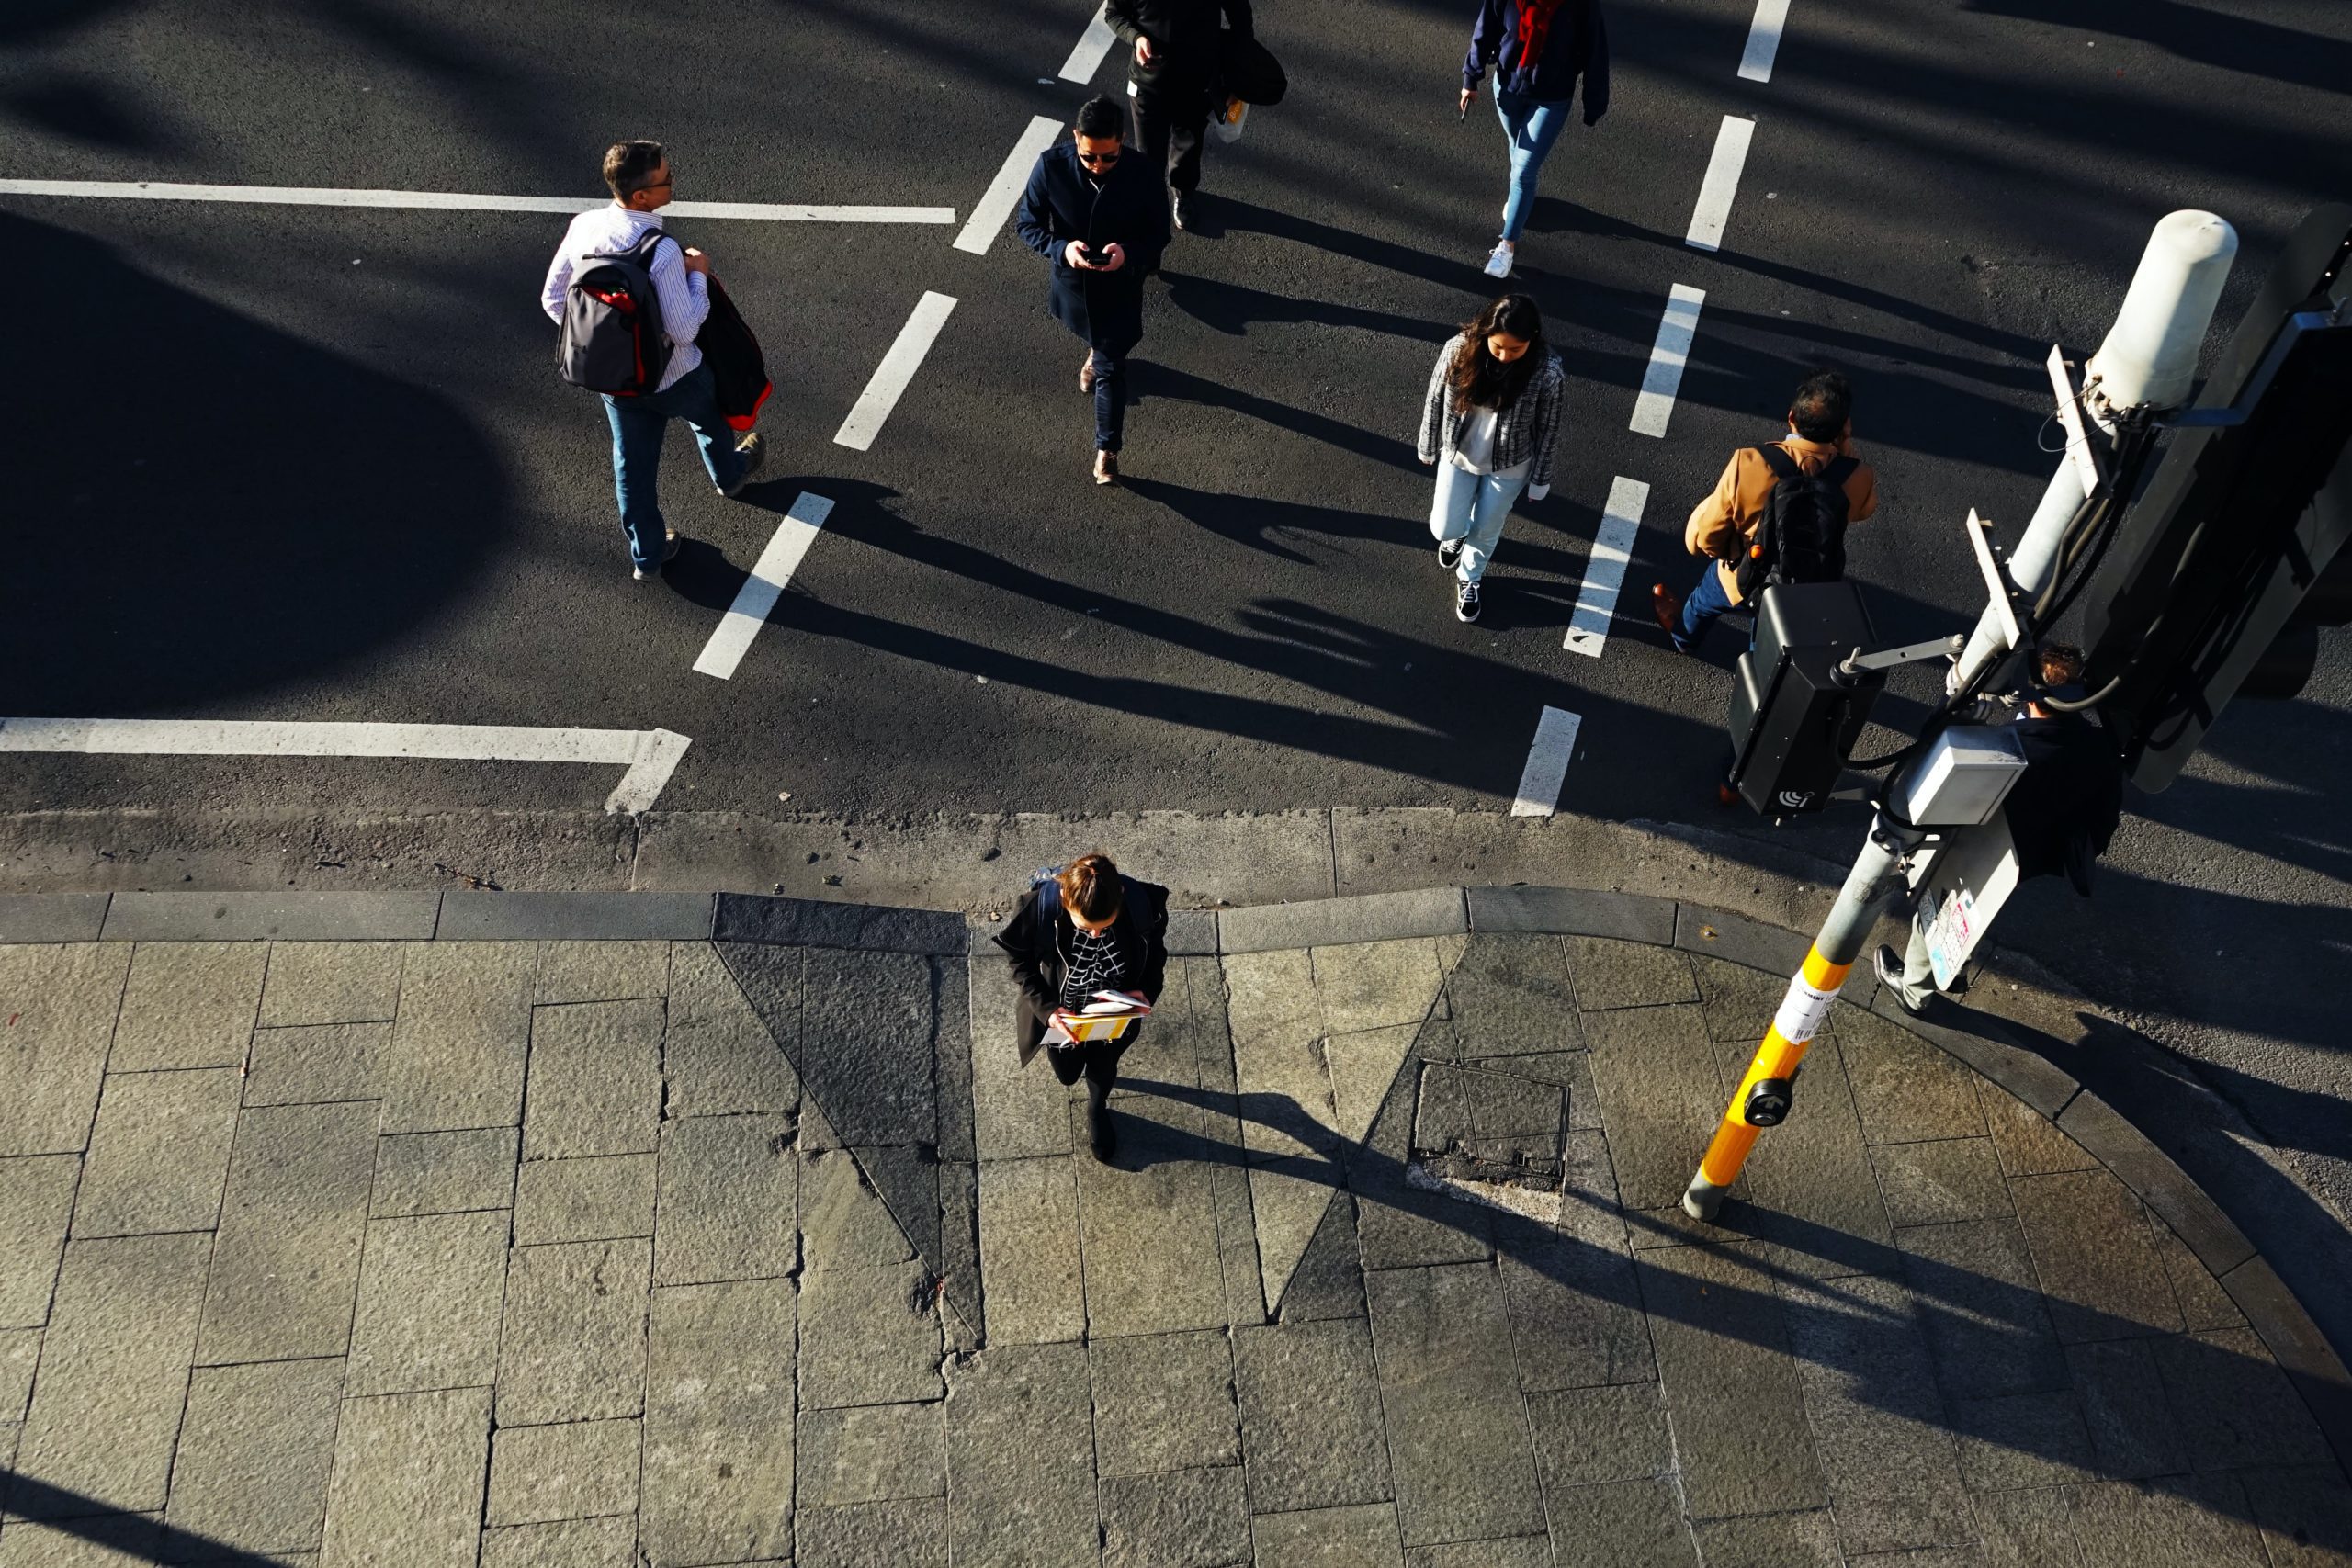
(1668, 355)
(1722, 184)
(1547, 764)
(1612, 547)
(898, 368)
(650, 754)
(760, 592)
(310, 196)
(1763, 40)
(1093, 45)
(989, 214)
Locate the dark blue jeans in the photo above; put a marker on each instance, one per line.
(1110, 399)
(1706, 605)
(638, 427)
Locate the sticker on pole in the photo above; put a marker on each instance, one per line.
(1802, 1012)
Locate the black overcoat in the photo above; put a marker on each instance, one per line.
(1037, 943)
(1130, 210)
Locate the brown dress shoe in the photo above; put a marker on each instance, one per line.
(1666, 608)
(1106, 467)
(1086, 374)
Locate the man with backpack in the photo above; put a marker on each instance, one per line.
(1178, 48)
(1778, 514)
(630, 301)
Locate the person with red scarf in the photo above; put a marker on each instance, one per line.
(1539, 50)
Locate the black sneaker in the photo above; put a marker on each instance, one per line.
(1466, 601)
(755, 452)
(1890, 975)
(1449, 552)
(1101, 1137)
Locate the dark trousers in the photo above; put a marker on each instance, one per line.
(1110, 399)
(1098, 1059)
(1170, 124)
(1707, 605)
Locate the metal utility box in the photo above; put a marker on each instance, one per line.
(1963, 778)
(1794, 715)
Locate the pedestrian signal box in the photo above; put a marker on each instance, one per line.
(1795, 712)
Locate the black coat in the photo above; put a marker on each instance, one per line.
(1037, 944)
(1131, 209)
(1183, 33)
(2064, 809)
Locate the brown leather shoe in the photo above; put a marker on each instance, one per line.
(1086, 374)
(1666, 608)
(1106, 467)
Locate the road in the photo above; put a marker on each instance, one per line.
(298, 464)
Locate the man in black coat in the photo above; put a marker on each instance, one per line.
(1096, 212)
(1174, 74)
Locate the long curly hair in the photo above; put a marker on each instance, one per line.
(1480, 381)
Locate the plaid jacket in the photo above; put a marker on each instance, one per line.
(1528, 429)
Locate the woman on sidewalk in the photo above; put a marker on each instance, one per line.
(1489, 423)
(1538, 48)
(1083, 930)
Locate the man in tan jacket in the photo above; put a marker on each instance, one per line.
(1722, 527)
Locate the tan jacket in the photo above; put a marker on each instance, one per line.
(1723, 525)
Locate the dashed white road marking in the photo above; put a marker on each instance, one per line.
(1722, 184)
(989, 214)
(649, 755)
(458, 201)
(767, 582)
(1547, 764)
(1763, 40)
(1663, 379)
(898, 367)
(1093, 45)
(1613, 548)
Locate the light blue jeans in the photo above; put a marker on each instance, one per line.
(1531, 127)
(1472, 508)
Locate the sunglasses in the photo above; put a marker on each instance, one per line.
(1098, 160)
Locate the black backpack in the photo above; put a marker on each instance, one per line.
(1803, 536)
(610, 339)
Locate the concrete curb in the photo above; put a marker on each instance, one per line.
(1999, 1049)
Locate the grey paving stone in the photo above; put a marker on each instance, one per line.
(595, 1084)
(2304, 1514)
(1191, 933)
(601, 971)
(906, 1179)
(310, 1062)
(1148, 1227)
(534, 917)
(36, 1207)
(1590, 1435)
(40, 918)
(873, 1453)
(959, 1255)
(2098, 1264)
(906, 1534)
(1731, 1386)
(1020, 1459)
(1376, 984)
(19, 1354)
(1660, 1097)
(188, 1004)
(718, 1440)
(1399, 1225)
(804, 922)
(2180, 1522)
(1739, 1001)
(112, 1540)
(1807, 1538)
(402, 916)
(286, 1260)
(1570, 1070)
(1522, 1552)
(1311, 1429)
(568, 1543)
(719, 1057)
(1981, 1308)
(1993, 1046)
(1329, 1281)
(1164, 1401)
(444, 1173)
(1324, 923)
(1610, 974)
(572, 1346)
(1178, 1519)
(1457, 1428)
(728, 1186)
(1581, 911)
(1898, 1525)
(1721, 934)
(2028, 1530)
(578, 1470)
(254, 1449)
(1576, 1311)
(462, 1037)
(2304, 1354)
(2029, 1143)
(2134, 1435)
(868, 1037)
(1364, 1068)
(2235, 1406)
(1029, 1251)
(113, 1372)
(597, 1199)
(1626, 1523)
(1016, 1111)
(2203, 1303)
(331, 982)
(407, 1485)
(1495, 1118)
(1907, 1090)
(1509, 995)
(952, 1057)
(868, 1337)
(2021, 1440)
(65, 1000)
(843, 1221)
(1812, 1179)
(1936, 1184)
(430, 1294)
(1362, 1536)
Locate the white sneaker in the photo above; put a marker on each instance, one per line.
(1498, 263)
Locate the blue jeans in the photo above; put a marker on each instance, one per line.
(1472, 508)
(1531, 128)
(638, 427)
(1110, 399)
(1707, 603)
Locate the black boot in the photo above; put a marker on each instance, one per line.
(1099, 1137)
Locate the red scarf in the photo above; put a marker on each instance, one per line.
(1534, 27)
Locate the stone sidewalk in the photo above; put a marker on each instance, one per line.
(757, 1246)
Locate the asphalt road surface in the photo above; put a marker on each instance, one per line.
(309, 463)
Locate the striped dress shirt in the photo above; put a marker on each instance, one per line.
(685, 297)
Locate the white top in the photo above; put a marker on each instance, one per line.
(685, 297)
(1475, 451)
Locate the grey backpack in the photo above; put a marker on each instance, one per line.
(610, 339)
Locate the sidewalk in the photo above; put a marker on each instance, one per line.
(735, 1235)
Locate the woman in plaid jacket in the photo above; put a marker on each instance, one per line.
(1490, 425)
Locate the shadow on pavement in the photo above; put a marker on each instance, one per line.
(114, 1536)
